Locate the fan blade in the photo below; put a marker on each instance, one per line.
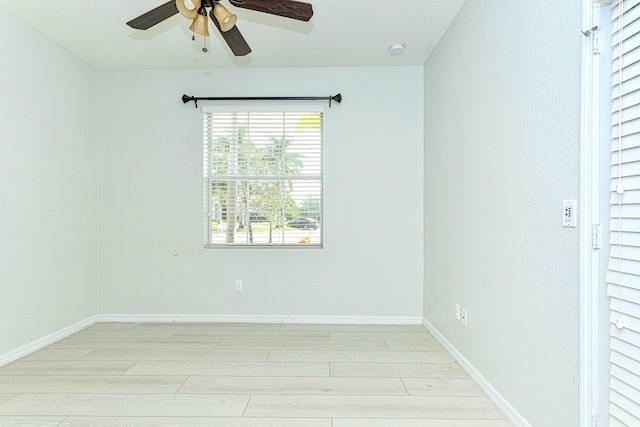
(286, 8)
(234, 39)
(154, 16)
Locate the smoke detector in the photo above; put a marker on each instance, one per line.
(396, 49)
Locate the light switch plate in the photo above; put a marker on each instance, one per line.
(569, 213)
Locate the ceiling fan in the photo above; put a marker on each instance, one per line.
(224, 20)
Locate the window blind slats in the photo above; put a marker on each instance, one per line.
(628, 413)
(630, 126)
(623, 275)
(634, 325)
(627, 6)
(628, 169)
(627, 155)
(626, 198)
(263, 178)
(627, 391)
(614, 281)
(625, 252)
(628, 63)
(630, 183)
(631, 225)
(625, 266)
(626, 295)
(618, 359)
(629, 114)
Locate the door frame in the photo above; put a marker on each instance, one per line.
(595, 167)
(589, 215)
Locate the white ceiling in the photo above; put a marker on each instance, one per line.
(341, 33)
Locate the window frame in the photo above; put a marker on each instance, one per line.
(207, 181)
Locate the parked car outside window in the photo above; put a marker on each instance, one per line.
(304, 223)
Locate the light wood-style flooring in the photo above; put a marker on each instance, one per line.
(244, 375)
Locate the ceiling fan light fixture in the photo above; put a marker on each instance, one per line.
(200, 25)
(225, 18)
(185, 11)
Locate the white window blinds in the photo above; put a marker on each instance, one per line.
(263, 178)
(623, 276)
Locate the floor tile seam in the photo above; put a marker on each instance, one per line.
(182, 385)
(62, 345)
(12, 396)
(213, 362)
(398, 363)
(246, 406)
(250, 337)
(342, 418)
(370, 395)
(405, 387)
(381, 362)
(75, 375)
(130, 368)
(82, 358)
(129, 373)
(211, 376)
(134, 348)
(193, 350)
(293, 376)
(431, 377)
(243, 376)
(358, 396)
(367, 350)
(129, 393)
(201, 417)
(184, 360)
(87, 376)
(396, 340)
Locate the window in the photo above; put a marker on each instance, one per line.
(263, 177)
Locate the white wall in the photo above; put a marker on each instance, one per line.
(47, 186)
(502, 94)
(151, 201)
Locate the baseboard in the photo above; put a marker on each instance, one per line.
(502, 403)
(43, 342)
(202, 318)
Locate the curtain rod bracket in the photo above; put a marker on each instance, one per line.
(337, 98)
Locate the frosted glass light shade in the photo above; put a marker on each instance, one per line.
(185, 11)
(200, 25)
(225, 18)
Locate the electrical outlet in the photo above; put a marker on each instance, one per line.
(569, 213)
(457, 311)
(465, 317)
(239, 285)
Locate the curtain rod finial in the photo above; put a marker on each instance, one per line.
(186, 99)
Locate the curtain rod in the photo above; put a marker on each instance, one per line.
(337, 98)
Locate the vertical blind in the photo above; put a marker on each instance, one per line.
(263, 178)
(623, 276)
